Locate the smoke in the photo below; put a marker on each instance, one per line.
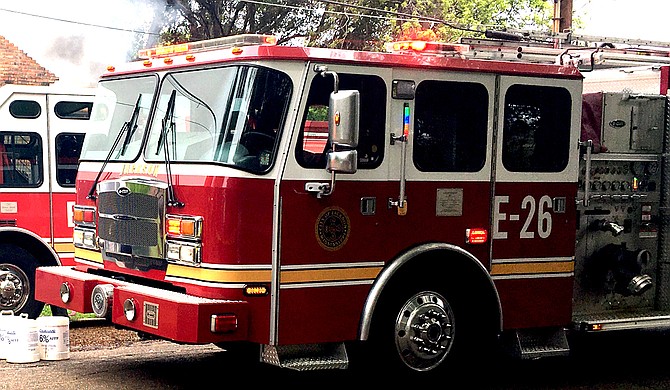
(77, 39)
(68, 49)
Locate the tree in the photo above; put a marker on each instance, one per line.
(351, 24)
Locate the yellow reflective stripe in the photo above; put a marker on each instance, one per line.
(88, 254)
(541, 267)
(219, 275)
(264, 276)
(334, 274)
(63, 247)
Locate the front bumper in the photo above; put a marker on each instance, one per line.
(174, 316)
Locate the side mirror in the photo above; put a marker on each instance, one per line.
(343, 117)
(342, 162)
(343, 114)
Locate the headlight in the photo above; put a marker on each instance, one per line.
(182, 252)
(84, 238)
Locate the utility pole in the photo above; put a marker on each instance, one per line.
(562, 16)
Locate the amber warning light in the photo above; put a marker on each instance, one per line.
(234, 42)
(83, 215)
(476, 236)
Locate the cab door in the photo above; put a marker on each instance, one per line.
(533, 209)
(332, 245)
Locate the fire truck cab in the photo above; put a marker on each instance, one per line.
(451, 204)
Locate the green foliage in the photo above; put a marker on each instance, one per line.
(317, 113)
(74, 316)
(361, 25)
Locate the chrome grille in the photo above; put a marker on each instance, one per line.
(129, 232)
(139, 205)
(132, 217)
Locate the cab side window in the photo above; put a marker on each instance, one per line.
(20, 160)
(450, 126)
(536, 129)
(313, 139)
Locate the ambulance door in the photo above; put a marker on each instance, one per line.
(333, 244)
(534, 223)
(68, 123)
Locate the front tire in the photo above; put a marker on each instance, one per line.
(424, 331)
(17, 281)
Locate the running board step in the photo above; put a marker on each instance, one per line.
(539, 343)
(306, 357)
(623, 321)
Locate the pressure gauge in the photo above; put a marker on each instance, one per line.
(637, 168)
(652, 167)
(616, 185)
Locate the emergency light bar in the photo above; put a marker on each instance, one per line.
(210, 44)
(426, 47)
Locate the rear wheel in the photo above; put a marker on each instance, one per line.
(17, 281)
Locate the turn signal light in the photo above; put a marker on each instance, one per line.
(184, 226)
(83, 215)
(255, 290)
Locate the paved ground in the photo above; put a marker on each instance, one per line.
(145, 364)
(103, 357)
(108, 358)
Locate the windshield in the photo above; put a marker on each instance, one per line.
(119, 106)
(227, 115)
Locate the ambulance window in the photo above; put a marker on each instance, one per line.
(68, 148)
(73, 110)
(27, 109)
(313, 138)
(20, 160)
(536, 132)
(450, 125)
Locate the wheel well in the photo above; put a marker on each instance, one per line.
(454, 270)
(39, 249)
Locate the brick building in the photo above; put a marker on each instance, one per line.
(16, 67)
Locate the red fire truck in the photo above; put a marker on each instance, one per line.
(41, 133)
(453, 206)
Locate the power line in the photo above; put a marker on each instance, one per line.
(413, 17)
(79, 23)
(398, 15)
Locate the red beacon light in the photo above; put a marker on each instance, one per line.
(426, 47)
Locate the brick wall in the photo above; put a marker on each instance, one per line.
(16, 67)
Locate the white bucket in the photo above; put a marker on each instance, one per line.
(22, 340)
(54, 337)
(4, 323)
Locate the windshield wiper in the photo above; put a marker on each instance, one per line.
(126, 128)
(168, 125)
(131, 126)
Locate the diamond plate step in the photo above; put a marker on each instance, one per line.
(538, 343)
(306, 357)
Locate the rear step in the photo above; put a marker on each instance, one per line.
(306, 357)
